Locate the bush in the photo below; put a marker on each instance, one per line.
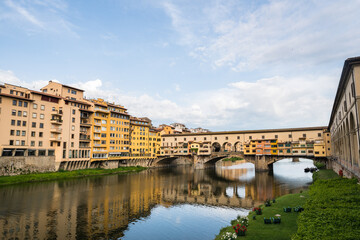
(332, 211)
(320, 165)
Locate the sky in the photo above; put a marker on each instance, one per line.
(222, 65)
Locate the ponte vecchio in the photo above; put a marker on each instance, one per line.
(261, 147)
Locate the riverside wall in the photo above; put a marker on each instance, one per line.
(13, 165)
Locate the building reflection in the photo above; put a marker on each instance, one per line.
(103, 207)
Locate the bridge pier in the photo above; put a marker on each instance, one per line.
(261, 165)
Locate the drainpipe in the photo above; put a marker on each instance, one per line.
(356, 109)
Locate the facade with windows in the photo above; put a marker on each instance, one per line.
(344, 120)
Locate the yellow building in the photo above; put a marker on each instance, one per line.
(319, 149)
(274, 146)
(154, 142)
(139, 136)
(111, 128)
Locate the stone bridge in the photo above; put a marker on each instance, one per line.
(261, 162)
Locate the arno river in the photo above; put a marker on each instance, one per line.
(167, 203)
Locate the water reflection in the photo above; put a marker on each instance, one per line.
(182, 200)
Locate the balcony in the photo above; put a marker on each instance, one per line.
(56, 121)
(57, 112)
(96, 137)
(55, 139)
(84, 115)
(84, 138)
(97, 130)
(56, 130)
(85, 123)
(101, 110)
(97, 123)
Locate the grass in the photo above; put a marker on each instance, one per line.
(38, 177)
(324, 174)
(332, 211)
(289, 221)
(233, 159)
(258, 230)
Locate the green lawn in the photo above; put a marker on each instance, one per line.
(37, 177)
(258, 230)
(332, 211)
(289, 221)
(325, 174)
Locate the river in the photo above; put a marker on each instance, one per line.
(166, 203)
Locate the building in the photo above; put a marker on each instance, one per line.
(199, 130)
(111, 126)
(139, 136)
(276, 142)
(45, 123)
(344, 120)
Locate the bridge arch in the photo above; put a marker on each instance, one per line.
(216, 147)
(237, 147)
(353, 139)
(226, 147)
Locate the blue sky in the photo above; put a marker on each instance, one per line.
(222, 65)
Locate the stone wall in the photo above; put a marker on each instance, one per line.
(22, 165)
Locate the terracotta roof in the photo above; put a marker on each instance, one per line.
(77, 101)
(251, 131)
(45, 94)
(14, 96)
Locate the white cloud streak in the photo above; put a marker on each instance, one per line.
(243, 37)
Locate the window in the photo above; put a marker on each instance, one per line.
(11, 142)
(72, 136)
(238, 137)
(14, 103)
(33, 124)
(24, 113)
(12, 132)
(13, 112)
(23, 133)
(226, 138)
(32, 143)
(194, 138)
(34, 115)
(250, 137)
(72, 144)
(215, 138)
(41, 116)
(204, 138)
(17, 142)
(18, 123)
(73, 127)
(41, 125)
(276, 136)
(13, 122)
(22, 142)
(25, 104)
(40, 144)
(290, 136)
(304, 135)
(41, 134)
(73, 111)
(33, 134)
(19, 113)
(319, 134)
(42, 107)
(20, 103)
(35, 106)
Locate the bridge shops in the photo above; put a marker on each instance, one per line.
(313, 142)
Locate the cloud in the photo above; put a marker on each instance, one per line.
(7, 76)
(274, 102)
(24, 13)
(244, 36)
(40, 16)
(266, 103)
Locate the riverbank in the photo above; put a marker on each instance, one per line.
(289, 221)
(39, 177)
